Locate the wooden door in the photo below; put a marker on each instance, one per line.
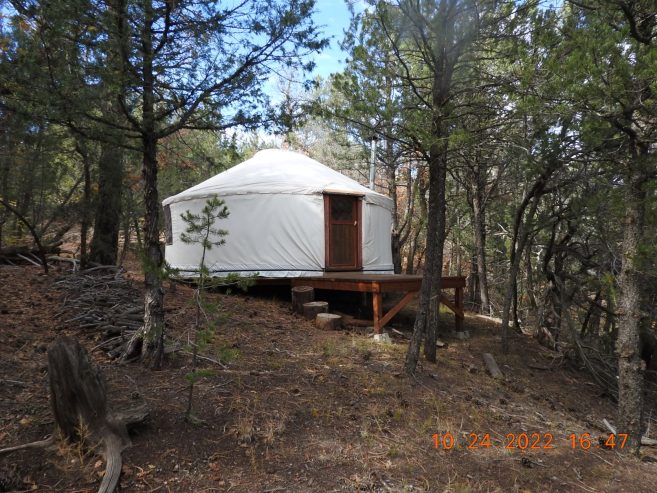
(342, 215)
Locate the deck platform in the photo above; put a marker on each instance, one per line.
(377, 284)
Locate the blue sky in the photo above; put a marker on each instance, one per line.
(333, 18)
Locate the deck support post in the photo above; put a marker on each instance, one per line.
(377, 284)
(377, 309)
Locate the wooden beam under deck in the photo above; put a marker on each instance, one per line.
(377, 284)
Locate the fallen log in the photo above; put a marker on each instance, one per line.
(35, 235)
(40, 444)
(79, 403)
(26, 250)
(28, 259)
(645, 441)
(73, 261)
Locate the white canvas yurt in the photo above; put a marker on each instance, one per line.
(290, 216)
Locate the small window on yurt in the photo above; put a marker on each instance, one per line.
(168, 234)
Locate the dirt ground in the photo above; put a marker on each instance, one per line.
(302, 410)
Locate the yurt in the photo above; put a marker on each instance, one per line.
(289, 216)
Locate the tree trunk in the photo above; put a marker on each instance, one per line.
(153, 332)
(531, 295)
(479, 219)
(405, 229)
(391, 171)
(479, 223)
(412, 251)
(523, 218)
(630, 365)
(153, 343)
(518, 244)
(127, 232)
(107, 222)
(472, 283)
(435, 221)
(431, 330)
(591, 323)
(422, 187)
(413, 352)
(431, 281)
(610, 328)
(396, 252)
(517, 250)
(5, 166)
(86, 203)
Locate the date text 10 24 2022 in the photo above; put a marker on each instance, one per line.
(526, 441)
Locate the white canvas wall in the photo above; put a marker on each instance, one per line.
(266, 233)
(275, 229)
(377, 232)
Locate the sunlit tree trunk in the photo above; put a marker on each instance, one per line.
(630, 365)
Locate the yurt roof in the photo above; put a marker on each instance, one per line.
(277, 171)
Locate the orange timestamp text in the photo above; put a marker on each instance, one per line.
(526, 441)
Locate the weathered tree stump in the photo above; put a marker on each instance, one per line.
(310, 310)
(300, 296)
(492, 367)
(79, 403)
(78, 396)
(328, 321)
(77, 391)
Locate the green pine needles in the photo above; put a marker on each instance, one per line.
(201, 230)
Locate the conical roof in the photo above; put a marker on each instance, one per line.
(277, 171)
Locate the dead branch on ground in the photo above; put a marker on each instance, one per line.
(103, 301)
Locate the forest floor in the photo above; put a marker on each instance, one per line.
(303, 410)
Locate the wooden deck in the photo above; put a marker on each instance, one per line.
(377, 284)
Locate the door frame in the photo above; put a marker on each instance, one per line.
(327, 232)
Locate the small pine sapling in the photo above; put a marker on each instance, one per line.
(201, 230)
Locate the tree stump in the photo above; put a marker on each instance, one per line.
(79, 404)
(300, 296)
(328, 321)
(78, 397)
(310, 310)
(492, 367)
